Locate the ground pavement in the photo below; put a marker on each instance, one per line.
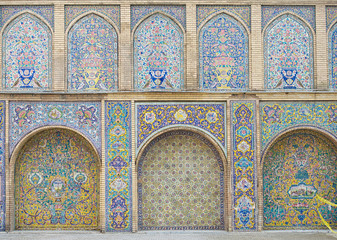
(184, 235)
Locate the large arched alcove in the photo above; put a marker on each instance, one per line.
(56, 182)
(180, 183)
(297, 167)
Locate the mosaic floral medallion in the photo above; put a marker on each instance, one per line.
(180, 184)
(56, 183)
(298, 167)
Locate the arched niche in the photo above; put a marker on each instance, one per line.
(27, 54)
(288, 54)
(158, 54)
(298, 166)
(223, 54)
(181, 183)
(55, 182)
(92, 54)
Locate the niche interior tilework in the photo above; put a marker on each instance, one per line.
(118, 167)
(158, 51)
(244, 193)
(92, 55)
(223, 55)
(288, 60)
(27, 54)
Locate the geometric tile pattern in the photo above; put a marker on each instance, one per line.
(27, 54)
(140, 11)
(45, 12)
(208, 117)
(2, 167)
(241, 12)
(288, 54)
(308, 13)
(276, 117)
(244, 193)
(223, 54)
(158, 55)
(331, 15)
(118, 167)
(81, 116)
(92, 55)
(180, 184)
(332, 51)
(56, 183)
(73, 11)
(296, 168)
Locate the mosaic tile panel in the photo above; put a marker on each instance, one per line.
(56, 183)
(332, 39)
(153, 117)
(2, 167)
(180, 184)
(27, 54)
(81, 116)
(244, 196)
(46, 12)
(118, 167)
(288, 54)
(331, 16)
(241, 12)
(110, 11)
(277, 117)
(223, 55)
(92, 55)
(158, 55)
(298, 167)
(138, 12)
(306, 12)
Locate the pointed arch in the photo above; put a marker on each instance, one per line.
(158, 54)
(223, 53)
(332, 55)
(288, 53)
(92, 58)
(27, 53)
